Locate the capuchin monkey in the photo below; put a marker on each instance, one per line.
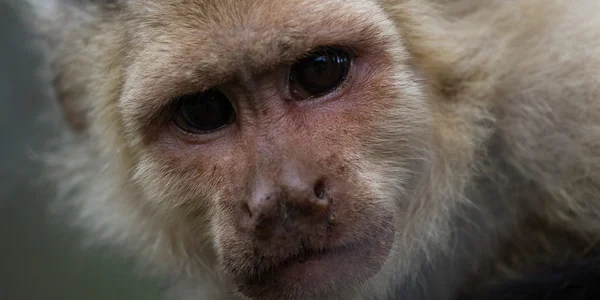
(333, 149)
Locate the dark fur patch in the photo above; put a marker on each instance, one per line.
(577, 281)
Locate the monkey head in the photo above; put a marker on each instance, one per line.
(280, 145)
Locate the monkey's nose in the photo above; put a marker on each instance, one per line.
(294, 201)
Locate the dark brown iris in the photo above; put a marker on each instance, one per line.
(203, 112)
(318, 73)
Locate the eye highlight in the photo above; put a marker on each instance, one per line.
(319, 73)
(203, 112)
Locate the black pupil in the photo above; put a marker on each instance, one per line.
(321, 71)
(204, 112)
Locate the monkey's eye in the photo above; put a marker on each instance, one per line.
(203, 112)
(319, 73)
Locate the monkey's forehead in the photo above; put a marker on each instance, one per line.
(256, 29)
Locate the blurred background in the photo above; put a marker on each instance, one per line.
(40, 258)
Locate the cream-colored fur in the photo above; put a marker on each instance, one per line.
(492, 144)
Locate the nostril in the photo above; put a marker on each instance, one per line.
(320, 189)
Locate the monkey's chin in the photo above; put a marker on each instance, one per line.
(319, 274)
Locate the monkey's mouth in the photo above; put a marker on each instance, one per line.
(311, 272)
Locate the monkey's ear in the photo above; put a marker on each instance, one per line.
(53, 21)
(69, 99)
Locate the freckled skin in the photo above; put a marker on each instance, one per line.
(464, 134)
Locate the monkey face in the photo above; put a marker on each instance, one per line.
(326, 149)
(294, 142)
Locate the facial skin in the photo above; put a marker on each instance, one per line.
(304, 149)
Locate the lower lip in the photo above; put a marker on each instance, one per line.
(341, 266)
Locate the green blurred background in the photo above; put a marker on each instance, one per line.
(39, 257)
